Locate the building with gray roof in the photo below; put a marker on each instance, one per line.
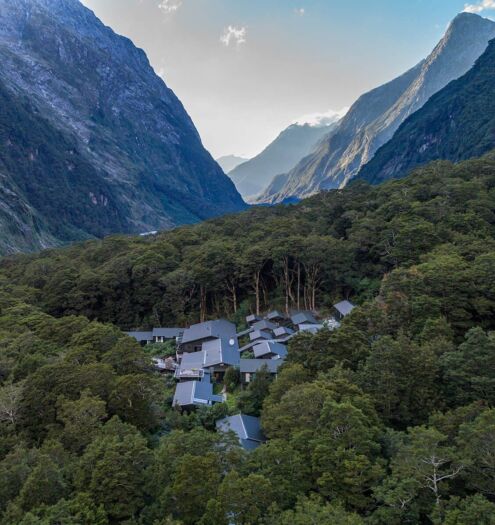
(143, 338)
(248, 368)
(246, 428)
(193, 393)
(260, 335)
(193, 337)
(264, 324)
(276, 316)
(214, 358)
(250, 319)
(342, 309)
(160, 335)
(283, 331)
(303, 318)
(269, 350)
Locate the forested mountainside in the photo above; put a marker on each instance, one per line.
(387, 420)
(374, 118)
(455, 124)
(280, 156)
(97, 99)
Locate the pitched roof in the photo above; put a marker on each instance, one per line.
(220, 351)
(215, 352)
(264, 324)
(247, 429)
(168, 333)
(310, 327)
(259, 334)
(141, 336)
(282, 330)
(255, 365)
(195, 393)
(252, 319)
(269, 347)
(344, 307)
(303, 317)
(275, 315)
(219, 328)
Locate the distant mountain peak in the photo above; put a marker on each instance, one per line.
(375, 117)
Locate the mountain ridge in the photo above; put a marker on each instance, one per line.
(97, 88)
(359, 135)
(457, 123)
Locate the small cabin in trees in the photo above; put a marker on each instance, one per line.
(340, 310)
(246, 428)
(248, 368)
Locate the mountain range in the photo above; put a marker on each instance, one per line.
(229, 162)
(92, 140)
(375, 117)
(281, 155)
(456, 124)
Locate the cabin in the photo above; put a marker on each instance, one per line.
(143, 338)
(283, 333)
(248, 368)
(276, 317)
(161, 335)
(195, 393)
(310, 328)
(270, 350)
(192, 338)
(215, 357)
(246, 428)
(251, 319)
(343, 309)
(260, 335)
(264, 325)
(303, 318)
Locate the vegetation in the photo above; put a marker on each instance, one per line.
(388, 420)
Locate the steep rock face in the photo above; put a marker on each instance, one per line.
(98, 91)
(456, 124)
(375, 117)
(281, 155)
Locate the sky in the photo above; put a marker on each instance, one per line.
(246, 69)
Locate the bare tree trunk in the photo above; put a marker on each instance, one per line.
(257, 291)
(298, 286)
(202, 303)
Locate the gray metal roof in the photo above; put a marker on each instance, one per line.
(252, 318)
(264, 324)
(220, 328)
(310, 327)
(141, 336)
(256, 335)
(251, 366)
(221, 351)
(168, 333)
(275, 315)
(247, 428)
(195, 393)
(303, 317)
(282, 330)
(269, 347)
(344, 307)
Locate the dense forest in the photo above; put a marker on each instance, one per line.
(389, 419)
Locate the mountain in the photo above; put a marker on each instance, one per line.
(229, 162)
(293, 144)
(374, 118)
(455, 124)
(92, 140)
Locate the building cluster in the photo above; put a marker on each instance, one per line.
(205, 351)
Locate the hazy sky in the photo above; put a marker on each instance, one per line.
(245, 69)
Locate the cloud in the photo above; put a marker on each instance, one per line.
(321, 119)
(233, 35)
(170, 6)
(480, 6)
(300, 11)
